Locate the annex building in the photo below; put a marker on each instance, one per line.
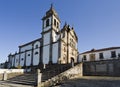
(109, 53)
(55, 46)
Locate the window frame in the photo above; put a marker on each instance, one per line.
(55, 22)
(84, 57)
(113, 54)
(47, 22)
(101, 56)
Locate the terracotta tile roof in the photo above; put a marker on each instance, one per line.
(103, 49)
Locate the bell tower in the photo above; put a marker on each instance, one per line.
(51, 20)
(51, 25)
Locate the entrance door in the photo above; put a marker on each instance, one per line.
(72, 62)
(92, 57)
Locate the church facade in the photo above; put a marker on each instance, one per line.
(56, 46)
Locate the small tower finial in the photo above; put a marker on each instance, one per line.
(51, 5)
(72, 26)
(65, 24)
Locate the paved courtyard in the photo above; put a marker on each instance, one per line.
(92, 81)
(86, 81)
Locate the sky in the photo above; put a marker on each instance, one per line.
(96, 22)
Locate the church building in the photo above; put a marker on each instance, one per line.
(56, 45)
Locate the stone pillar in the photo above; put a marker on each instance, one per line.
(44, 66)
(81, 69)
(5, 76)
(38, 78)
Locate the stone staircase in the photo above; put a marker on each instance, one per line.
(24, 79)
(54, 70)
(48, 73)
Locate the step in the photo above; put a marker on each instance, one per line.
(19, 82)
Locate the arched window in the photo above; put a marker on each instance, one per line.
(54, 22)
(47, 22)
(36, 46)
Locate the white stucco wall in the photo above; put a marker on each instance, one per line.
(36, 57)
(36, 43)
(27, 47)
(16, 60)
(55, 53)
(22, 59)
(46, 38)
(46, 53)
(106, 54)
(28, 58)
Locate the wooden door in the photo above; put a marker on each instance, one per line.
(92, 57)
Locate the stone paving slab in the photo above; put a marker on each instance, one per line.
(92, 81)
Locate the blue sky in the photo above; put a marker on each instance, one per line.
(96, 22)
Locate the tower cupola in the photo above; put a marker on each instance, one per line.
(51, 20)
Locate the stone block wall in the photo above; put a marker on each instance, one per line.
(78, 69)
(12, 71)
(103, 68)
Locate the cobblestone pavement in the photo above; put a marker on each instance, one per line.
(5, 84)
(92, 81)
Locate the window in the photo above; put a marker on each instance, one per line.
(113, 54)
(84, 57)
(119, 55)
(28, 54)
(22, 59)
(36, 46)
(101, 56)
(47, 22)
(54, 22)
(36, 53)
(57, 25)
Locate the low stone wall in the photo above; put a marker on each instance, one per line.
(78, 69)
(103, 68)
(10, 73)
(1, 76)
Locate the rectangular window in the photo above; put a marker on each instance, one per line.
(101, 56)
(47, 22)
(57, 25)
(113, 54)
(84, 58)
(54, 22)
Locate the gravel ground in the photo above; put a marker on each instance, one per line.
(92, 81)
